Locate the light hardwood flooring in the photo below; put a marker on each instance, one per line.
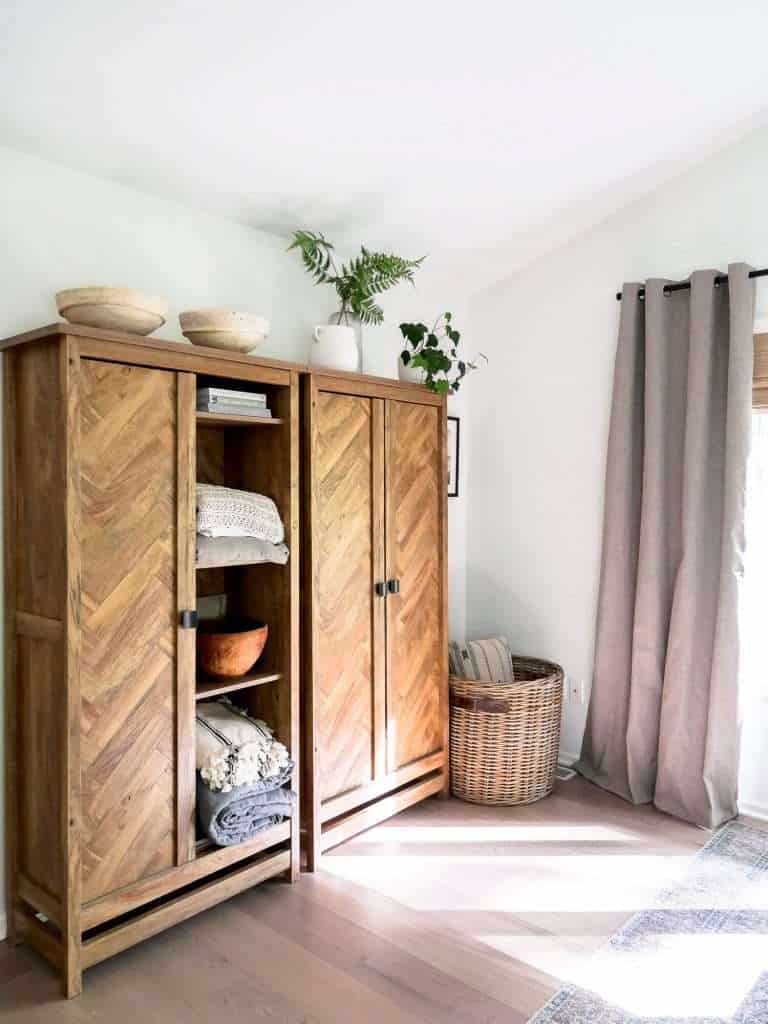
(447, 914)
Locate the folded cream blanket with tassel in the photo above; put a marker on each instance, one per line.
(234, 749)
(225, 512)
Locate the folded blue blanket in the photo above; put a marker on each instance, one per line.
(245, 811)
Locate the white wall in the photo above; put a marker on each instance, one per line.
(540, 413)
(60, 228)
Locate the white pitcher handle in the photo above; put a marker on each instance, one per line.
(317, 335)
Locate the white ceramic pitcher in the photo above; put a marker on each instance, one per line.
(334, 348)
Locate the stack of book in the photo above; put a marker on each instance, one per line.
(227, 402)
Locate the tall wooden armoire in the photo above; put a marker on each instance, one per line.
(103, 446)
(375, 680)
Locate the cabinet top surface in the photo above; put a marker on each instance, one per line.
(135, 348)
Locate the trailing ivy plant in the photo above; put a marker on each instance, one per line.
(357, 282)
(435, 352)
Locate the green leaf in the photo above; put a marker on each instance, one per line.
(405, 357)
(414, 333)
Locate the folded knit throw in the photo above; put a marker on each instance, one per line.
(225, 512)
(234, 749)
(240, 815)
(235, 550)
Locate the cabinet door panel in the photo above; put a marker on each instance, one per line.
(128, 466)
(348, 620)
(414, 513)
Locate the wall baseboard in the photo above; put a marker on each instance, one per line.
(567, 758)
(754, 810)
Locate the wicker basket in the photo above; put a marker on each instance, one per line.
(505, 736)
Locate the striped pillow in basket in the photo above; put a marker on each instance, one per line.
(484, 661)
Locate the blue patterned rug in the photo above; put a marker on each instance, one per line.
(698, 956)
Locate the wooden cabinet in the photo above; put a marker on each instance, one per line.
(375, 680)
(103, 447)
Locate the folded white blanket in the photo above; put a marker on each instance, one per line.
(234, 749)
(225, 512)
(236, 550)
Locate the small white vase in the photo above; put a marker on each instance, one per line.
(410, 374)
(334, 348)
(357, 327)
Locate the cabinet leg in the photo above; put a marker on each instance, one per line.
(445, 792)
(313, 848)
(73, 984)
(73, 969)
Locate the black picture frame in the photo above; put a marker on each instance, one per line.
(453, 455)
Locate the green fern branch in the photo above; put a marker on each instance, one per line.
(358, 281)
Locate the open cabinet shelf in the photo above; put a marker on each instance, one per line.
(263, 461)
(235, 565)
(215, 419)
(207, 688)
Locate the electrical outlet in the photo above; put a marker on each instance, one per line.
(574, 690)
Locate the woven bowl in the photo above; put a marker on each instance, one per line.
(113, 309)
(228, 648)
(223, 328)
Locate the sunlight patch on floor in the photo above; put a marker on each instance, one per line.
(559, 957)
(497, 833)
(568, 883)
(685, 975)
(679, 976)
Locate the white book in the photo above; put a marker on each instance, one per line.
(228, 395)
(222, 409)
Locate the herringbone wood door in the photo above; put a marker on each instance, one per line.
(414, 506)
(128, 675)
(348, 552)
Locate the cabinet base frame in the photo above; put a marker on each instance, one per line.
(340, 829)
(102, 944)
(181, 908)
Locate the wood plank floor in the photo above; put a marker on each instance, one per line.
(448, 913)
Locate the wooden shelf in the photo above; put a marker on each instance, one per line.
(279, 833)
(234, 565)
(215, 687)
(215, 419)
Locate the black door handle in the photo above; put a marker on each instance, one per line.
(188, 620)
(393, 586)
(380, 589)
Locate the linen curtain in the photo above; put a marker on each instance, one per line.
(662, 725)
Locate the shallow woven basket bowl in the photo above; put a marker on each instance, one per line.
(113, 309)
(224, 328)
(505, 736)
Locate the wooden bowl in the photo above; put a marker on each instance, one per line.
(228, 648)
(113, 309)
(223, 328)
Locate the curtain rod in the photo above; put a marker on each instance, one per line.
(685, 285)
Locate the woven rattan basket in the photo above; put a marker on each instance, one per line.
(505, 736)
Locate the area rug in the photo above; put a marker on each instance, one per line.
(699, 955)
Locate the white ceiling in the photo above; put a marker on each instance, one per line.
(468, 131)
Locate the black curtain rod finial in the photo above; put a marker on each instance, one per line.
(683, 286)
